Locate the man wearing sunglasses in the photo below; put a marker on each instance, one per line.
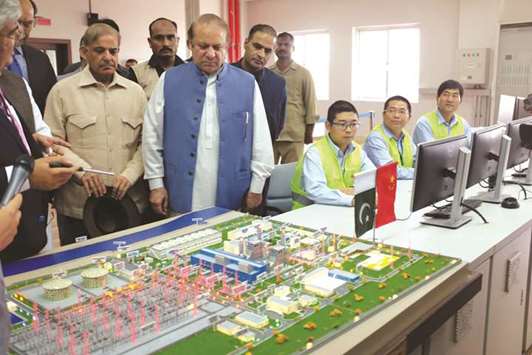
(163, 42)
(390, 142)
(325, 172)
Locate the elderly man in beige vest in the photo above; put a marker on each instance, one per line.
(163, 42)
(100, 114)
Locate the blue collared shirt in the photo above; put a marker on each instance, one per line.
(18, 56)
(423, 131)
(314, 181)
(377, 150)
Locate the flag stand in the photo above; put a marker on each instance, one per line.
(374, 221)
(375, 210)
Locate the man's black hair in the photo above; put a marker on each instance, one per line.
(262, 28)
(161, 19)
(398, 98)
(339, 107)
(34, 7)
(451, 85)
(287, 35)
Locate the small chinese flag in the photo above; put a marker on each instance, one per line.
(386, 183)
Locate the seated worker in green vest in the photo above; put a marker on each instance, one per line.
(444, 122)
(390, 142)
(324, 174)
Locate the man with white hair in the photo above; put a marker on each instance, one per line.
(17, 127)
(16, 139)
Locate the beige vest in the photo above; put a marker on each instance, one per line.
(147, 77)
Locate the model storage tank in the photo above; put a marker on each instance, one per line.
(94, 277)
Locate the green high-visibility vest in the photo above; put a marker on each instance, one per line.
(440, 131)
(407, 159)
(337, 178)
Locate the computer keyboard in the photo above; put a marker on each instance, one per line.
(445, 211)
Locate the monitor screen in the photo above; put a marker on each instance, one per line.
(432, 182)
(518, 153)
(506, 108)
(519, 110)
(485, 153)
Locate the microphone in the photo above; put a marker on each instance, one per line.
(21, 171)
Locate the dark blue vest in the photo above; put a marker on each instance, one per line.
(184, 95)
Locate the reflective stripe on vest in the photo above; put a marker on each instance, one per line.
(440, 131)
(332, 170)
(407, 159)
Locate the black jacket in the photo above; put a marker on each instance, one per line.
(41, 75)
(31, 235)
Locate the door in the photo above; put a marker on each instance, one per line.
(58, 50)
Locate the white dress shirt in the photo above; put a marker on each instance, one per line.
(40, 126)
(205, 178)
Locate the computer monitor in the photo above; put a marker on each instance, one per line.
(518, 153)
(441, 171)
(489, 156)
(519, 109)
(506, 109)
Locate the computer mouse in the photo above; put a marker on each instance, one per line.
(510, 202)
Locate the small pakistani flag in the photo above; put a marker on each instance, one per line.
(364, 211)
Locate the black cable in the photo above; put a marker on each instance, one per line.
(521, 186)
(487, 186)
(518, 170)
(474, 210)
(524, 190)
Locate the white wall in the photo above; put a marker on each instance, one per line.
(515, 11)
(437, 20)
(211, 6)
(133, 16)
(445, 27)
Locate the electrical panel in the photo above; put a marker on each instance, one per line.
(474, 66)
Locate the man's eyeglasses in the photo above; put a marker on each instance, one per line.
(393, 111)
(27, 24)
(345, 125)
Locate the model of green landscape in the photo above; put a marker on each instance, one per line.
(247, 285)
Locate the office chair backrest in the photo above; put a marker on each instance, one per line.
(279, 198)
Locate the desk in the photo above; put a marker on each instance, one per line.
(500, 321)
(490, 320)
(399, 319)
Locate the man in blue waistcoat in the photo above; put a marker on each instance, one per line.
(206, 140)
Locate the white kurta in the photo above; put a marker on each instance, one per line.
(205, 178)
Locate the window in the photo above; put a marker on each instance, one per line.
(313, 52)
(385, 63)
